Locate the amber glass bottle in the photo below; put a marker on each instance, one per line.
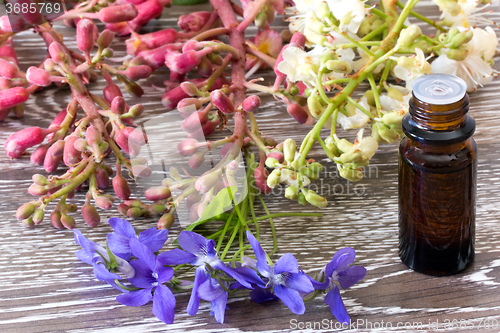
(437, 178)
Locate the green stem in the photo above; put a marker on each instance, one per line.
(374, 33)
(385, 75)
(325, 148)
(362, 109)
(336, 81)
(423, 18)
(375, 94)
(353, 41)
(271, 223)
(334, 121)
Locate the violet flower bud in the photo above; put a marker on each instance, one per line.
(85, 35)
(182, 62)
(67, 221)
(13, 96)
(38, 155)
(194, 121)
(118, 13)
(193, 21)
(166, 221)
(103, 202)
(187, 147)
(57, 52)
(105, 38)
(25, 210)
(251, 103)
(196, 160)
(93, 135)
(8, 69)
(38, 76)
(297, 112)
(157, 193)
(90, 215)
(136, 73)
(17, 143)
(222, 102)
(55, 219)
(102, 178)
(51, 162)
(71, 155)
(121, 188)
(118, 105)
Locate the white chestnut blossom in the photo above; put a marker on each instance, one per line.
(475, 69)
(410, 68)
(393, 104)
(470, 15)
(367, 145)
(350, 13)
(358, 120)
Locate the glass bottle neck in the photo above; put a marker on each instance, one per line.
(448, 117)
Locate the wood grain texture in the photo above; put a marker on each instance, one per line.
(44, 288)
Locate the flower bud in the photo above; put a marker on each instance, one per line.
(166, 221)
(136, 110)
(93, 135)
(118, 13)
(157, 193)
(193, 213)
(190, 88)
(67, 221)
(102, 178)
(38, 76)
(459, 54)
(251, 103)
(38, 155)
(222, 102)
(193, 21)
(272, 162)
(207, 181)
(450, 6)
(39, 179)
(85, 35)
(134, 212)
(118, 105)
(338, 66)
(13, 96)
(261, 174)
(187, 147)
(51, 162)
(353, 175)
(297, 112)
(57, 52)
(8, 69)
(57, 148)
(37, 190)
(205, 67)
(173, 97)
(103, 202)
(55, 219)
(90, 215)
(292, 192)
(17, 143)
(182, 63)
(121, 188)
(25, 210)
(133, 89)
(71, 208)
(123, 208)
(194, 121)
(273, 179)
(141, 171)
(289, 150)
(192, 199)
(134, 135)
(196, 160)
(111, 91)
(315, 199)
(81, 145)
(38, 216)
(156, 208)
(136, 73)
(409, 35)
(105, 39)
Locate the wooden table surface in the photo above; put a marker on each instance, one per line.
(44, 288)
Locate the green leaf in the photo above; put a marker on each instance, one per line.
(188, 2)
(223, 201)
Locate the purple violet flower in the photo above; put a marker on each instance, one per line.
(338, 270)
(95, 255)
(150, 276)
(285, 279)
(200, 252)
(119, 240)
